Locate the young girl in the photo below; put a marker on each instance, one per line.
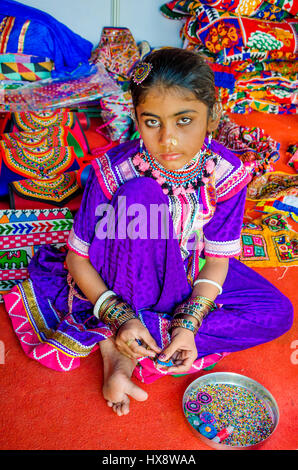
(151, 275)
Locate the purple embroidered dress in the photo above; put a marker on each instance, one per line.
(150, 258)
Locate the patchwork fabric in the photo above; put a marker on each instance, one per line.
(268, 92)
(22, 232)
(269, 242)
(285, 204)
(25, 71)
(251, 47)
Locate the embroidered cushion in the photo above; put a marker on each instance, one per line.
(236, 38)
(22, 232)
(272, 10)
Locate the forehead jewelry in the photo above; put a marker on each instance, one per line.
(141, 72)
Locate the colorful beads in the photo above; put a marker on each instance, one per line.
(168, 363)
(207, 417)
(208, 430)
(141, 72)
(228, 406)
(204, 397)
(192, 406)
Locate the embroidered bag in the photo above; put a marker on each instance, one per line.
(117, 51)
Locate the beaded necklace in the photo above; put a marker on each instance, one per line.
(183, 181)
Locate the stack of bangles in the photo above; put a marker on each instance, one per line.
(113, 311)
(197, 307)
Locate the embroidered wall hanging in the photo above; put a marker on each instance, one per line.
(57, 191)
(31, 121)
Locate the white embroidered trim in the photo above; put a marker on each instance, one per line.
(77, 244)
(226, 248)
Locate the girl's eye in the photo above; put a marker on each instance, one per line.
(184, 121)
(152, 123)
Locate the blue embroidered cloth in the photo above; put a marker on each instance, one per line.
(46, 37)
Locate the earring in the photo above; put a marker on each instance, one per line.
(209, 141)
(141, 145)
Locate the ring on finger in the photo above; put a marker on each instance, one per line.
(129, 342)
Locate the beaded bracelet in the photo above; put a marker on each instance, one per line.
(183, 323)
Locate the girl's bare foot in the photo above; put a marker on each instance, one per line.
(117, 385)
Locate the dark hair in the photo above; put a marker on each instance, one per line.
(177, 68)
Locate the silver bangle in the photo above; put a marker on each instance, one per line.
(197, 281)
(100, 301)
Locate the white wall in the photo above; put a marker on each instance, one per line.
(87, 18)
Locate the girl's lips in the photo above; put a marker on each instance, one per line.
(170, 156)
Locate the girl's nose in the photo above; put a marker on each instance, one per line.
(166, 138)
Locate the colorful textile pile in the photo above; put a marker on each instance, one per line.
(292, 153)
(55, 93)
(257, 150)
(43, 64)
(287, 204)
(273, 185)
(251, 47)
(269, 242)
(118, 52)
(22, 232)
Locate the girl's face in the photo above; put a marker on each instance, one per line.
(173, 124)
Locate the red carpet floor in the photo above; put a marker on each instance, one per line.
(45, 410)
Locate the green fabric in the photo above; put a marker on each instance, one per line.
(202, 263)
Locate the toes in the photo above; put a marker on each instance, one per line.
(121, 408)
(137, 393)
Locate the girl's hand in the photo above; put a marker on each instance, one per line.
(127, 344)
(182, 351)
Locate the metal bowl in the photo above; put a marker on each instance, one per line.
(241, 381)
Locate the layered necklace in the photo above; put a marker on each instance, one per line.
(183, 181)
